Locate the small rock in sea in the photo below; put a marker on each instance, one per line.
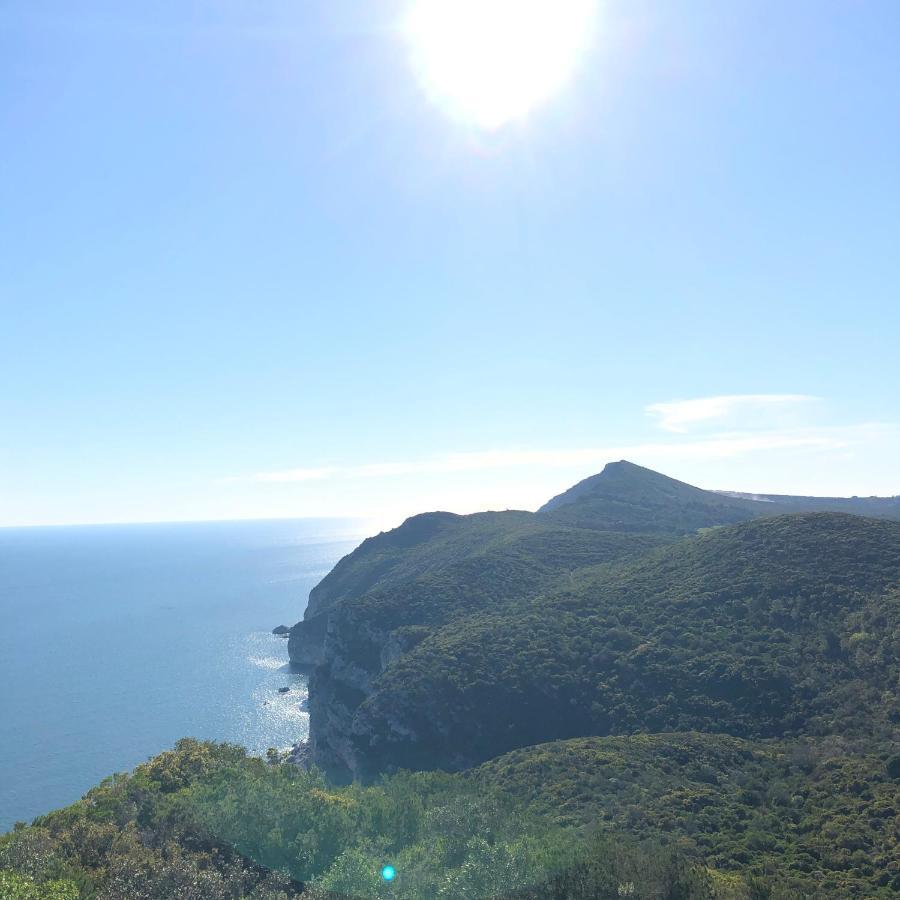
(283, 690)
(282, 630)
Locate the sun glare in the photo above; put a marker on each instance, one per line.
(490, 62)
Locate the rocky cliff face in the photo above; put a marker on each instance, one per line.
(336, 690)
(355, 652)
(306, 642)
(374, 563)
(344, 655)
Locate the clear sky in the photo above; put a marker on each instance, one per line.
(252, 265)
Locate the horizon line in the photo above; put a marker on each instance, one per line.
(211, 521)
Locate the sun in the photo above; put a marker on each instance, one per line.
(491, 62)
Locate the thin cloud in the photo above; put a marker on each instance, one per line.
(723, 445)
(315, 474)
(680, 416)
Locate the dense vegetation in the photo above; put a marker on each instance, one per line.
(626, 497)
(488, 544)
(819, 814)
(648, 816)
(776, 627)
(438, 566)
(205, 822)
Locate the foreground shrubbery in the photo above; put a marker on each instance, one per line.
(20, 887)
(816, 814)
(206, 822)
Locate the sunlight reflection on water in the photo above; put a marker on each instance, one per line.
(274, 718)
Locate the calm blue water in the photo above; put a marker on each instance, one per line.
(117, 640)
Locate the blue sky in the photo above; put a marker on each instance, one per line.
(249, 268)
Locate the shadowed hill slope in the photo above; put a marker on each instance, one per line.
(770, 628)
(823, 818)
(626, 497)
(436, 565)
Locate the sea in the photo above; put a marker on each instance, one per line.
(116, 641)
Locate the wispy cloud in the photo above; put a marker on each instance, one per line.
(310, 474)
(722, 445)
(680, 416)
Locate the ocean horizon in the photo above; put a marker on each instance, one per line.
(117, 640)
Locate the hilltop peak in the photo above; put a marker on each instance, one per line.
(628, 497)
(619, 473)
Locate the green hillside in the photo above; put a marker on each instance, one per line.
(775, 627)
(820, 817)
(503, 551)
(437, 566)
(663, 817)
(626, 497)
(206, 822)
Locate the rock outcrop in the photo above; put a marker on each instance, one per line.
(306, 642)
